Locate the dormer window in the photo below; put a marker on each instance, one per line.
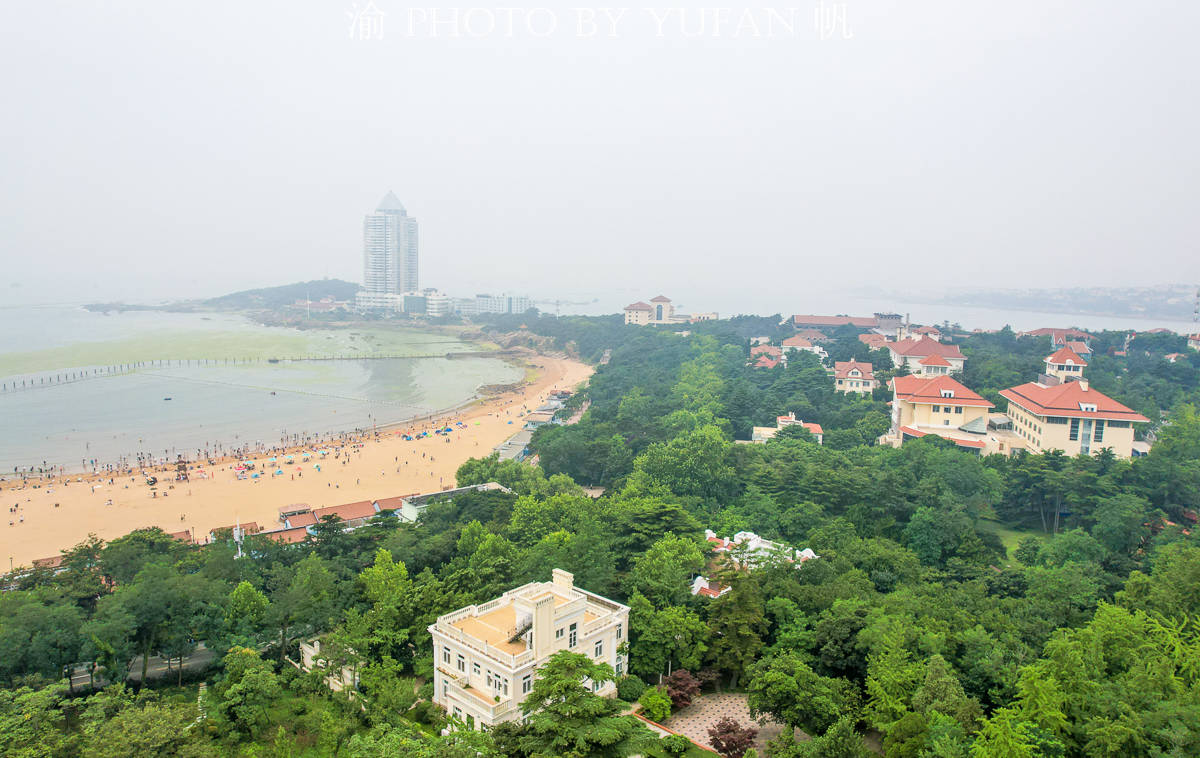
(947, 393)
(1087, 407)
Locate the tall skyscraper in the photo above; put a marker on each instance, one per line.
(389, 249)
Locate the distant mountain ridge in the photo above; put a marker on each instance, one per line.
(262, 298)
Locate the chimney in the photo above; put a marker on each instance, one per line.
(563, 579)
(543, 626)
(1083, 384)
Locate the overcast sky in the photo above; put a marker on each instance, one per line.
(164, 149)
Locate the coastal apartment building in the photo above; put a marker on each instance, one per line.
(486, 656)
(389, 254)
(1071, 417)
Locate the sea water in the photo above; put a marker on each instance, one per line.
(111, 417)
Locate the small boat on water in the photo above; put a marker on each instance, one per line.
(166, 398)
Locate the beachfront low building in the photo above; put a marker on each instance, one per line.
(1071, 417)
(854, 376)
(486, 656)
(661, 310)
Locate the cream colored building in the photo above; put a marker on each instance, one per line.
(1071, 417)
(1065, 365)
(854, 376)
(943, 406)
(910, 352)
(797, 344)
(486, 656)
(760, 434)
(660, 310)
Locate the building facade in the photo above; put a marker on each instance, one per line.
(854, 376)
(910, 353)
(660, 310)
(486, 656)
(1071, 417)
(389, 249)
(1065, 365)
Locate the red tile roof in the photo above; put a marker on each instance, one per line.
(52, 562)
(766, 350)
(842, 369)
(288, 536)
(182, 536)
(249, 527)
(934, 360)
(1080, 348)
(1066, 356)
(301, 519)
(1058, 336)
(390, 503)
(1065, 399)
(812, 427)
(910, 431)
(810, 320)
(660, 299)
(928, 391)
(812, 334)
(796, 341)
(927, 330)
(347, 512)
(925, 346)
(872, 339)
(639, 306)
(766, 361)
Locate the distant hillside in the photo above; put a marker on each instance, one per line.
(275, 297)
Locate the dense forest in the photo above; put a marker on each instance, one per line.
(1023, 607)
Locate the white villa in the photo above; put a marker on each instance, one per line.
(486, 656)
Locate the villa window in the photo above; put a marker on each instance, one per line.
(446, 655)
(475, 669)
(1099, 435)
(618, 631)
(573, 637)
(599, 649)
(958, 409)
(462, 664)
(1074, 436)
(558, 633)
(620, 668)
(937, 409)
(527, 684)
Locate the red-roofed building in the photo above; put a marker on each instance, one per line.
(813, 335)
(1065, 365)
(182, 536)
(766, 361)
(1193, 341)
(1071, 417)
(798, 344)
(234, 531)
(826, 322)
(932, 332)
(761, 434)
(354, 514)
(1172, 357)
(873, 340)
(297, 520)
(288, 536)
(1082, 349)
(943, 406)
(933, 365)
(910, 352)
(1059, 337)
(639, 313)
(854, 376)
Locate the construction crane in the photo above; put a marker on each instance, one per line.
(559, 303)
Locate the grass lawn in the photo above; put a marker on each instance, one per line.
(1010, 536)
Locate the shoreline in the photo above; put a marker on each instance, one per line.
(52, 514)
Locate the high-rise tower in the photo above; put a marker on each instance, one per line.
(389, 249)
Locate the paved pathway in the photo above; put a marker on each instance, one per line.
(707, 710)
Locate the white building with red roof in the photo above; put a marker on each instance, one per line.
(1072, 417)
(1059, 337)
(639, 313)
(854, 376)
(1193, 341)
(1065, 365)
(660, 310)
(910, 352)
(799, 344)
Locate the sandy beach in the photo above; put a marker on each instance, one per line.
(60, 513)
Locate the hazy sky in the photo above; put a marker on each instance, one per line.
(165, 149)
